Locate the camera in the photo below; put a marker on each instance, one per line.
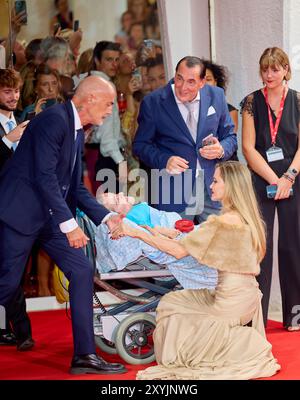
(20, 7)
(272, 190)
(148, 44)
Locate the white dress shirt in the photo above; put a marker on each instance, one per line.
(71, 224)
(3, 121)
(184, 113)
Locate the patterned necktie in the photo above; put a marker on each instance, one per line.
(191, 120)
(193, 126)
(11, 125)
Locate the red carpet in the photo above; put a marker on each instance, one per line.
(51, 356)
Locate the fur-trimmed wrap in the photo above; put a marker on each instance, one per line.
(223, 246)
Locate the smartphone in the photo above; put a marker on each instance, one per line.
(272, 189)
(56, 28)
(20, 6)
(148, 44)
(76, 25)
(50, 102)
(137, 74)
(30, 115)
(208, 140)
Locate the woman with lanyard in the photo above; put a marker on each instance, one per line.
(271, 147)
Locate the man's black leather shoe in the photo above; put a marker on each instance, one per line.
(8, 339)
(25, 345)
(93, 364)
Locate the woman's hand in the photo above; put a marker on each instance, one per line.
(17, 20)
(283, 189)
(171, 233)
(39, 104)
(162, 231)
(134, 85)
(154, 231)
(75, 41)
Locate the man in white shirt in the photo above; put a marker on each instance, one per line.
(10, 132)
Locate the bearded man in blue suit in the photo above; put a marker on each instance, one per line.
(173, 121)
(41, 186)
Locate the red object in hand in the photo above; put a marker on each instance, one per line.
(184, 225)
(122, 103)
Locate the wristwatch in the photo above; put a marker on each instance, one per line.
(222, 154)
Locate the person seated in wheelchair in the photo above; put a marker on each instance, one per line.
(116, 255)
(141, 213)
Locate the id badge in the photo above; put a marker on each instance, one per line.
(274, 154)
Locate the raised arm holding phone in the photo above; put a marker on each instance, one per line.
(18, 328)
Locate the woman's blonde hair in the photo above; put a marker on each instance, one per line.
(274, 57)
(85, 61)
(239, 196)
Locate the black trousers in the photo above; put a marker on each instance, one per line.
(14, 251)
(17, 320)
(288, 252)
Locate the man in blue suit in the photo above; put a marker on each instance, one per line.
(18, 328)
(40, 188)
(173, 122)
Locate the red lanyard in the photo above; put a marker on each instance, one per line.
(274, 129)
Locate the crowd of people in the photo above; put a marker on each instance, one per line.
(50, 69)
(113, 101)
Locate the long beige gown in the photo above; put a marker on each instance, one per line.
(203, 335)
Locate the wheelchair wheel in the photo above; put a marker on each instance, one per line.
(105, 345)
(134, 342)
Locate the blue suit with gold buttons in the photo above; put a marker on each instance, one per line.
(162, 133)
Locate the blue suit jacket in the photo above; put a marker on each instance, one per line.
(37, 184)
(162, 133)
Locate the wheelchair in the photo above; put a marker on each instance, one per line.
(126, 328)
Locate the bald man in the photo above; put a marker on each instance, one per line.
(40, 189)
